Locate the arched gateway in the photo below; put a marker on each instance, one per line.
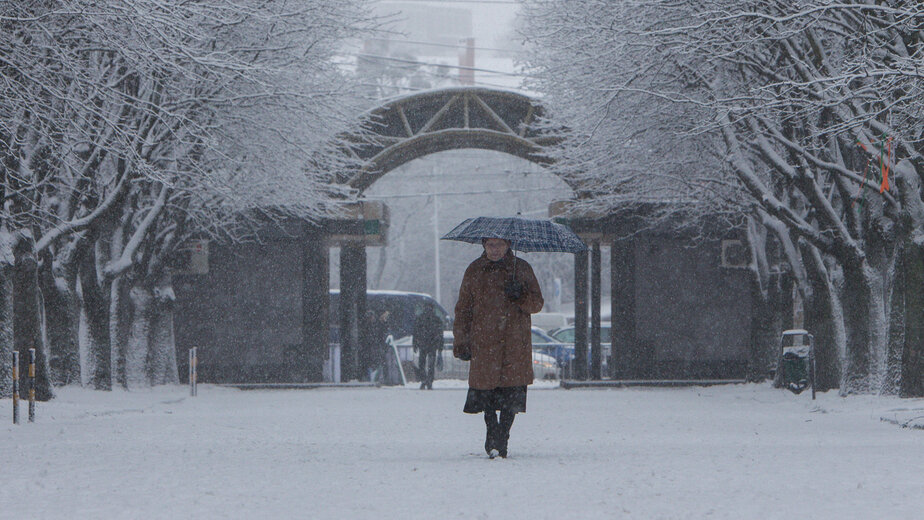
(413, 126)
(260, 312)
(410, 127)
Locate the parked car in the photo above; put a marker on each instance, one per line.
(549, 320)
(448, 367)
(401, 306)
(566, 336)
(546, 344)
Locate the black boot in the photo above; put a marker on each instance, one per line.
(491, 433)
(503, 432)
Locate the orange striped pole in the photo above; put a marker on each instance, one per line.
(193, 371)
(15, 387)
(31, 385)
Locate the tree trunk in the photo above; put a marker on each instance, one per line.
(910, 288)
(911, 292)
(824, 319)
(865, 299)
(162, 365)
(864, 319)
(6, 329)
(766, 319)
(895, 348)
(766, 326)
(119, 329)
(61, 317)
(93, 327)
(785, 301)
(138, 345)
(27, 323)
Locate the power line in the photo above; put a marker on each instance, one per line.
(417, 62)
(477, 83)
(456, 46)
(408, 67)
(445, 76)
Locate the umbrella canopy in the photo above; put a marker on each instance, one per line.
(527, 235)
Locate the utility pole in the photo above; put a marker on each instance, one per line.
(467, 62)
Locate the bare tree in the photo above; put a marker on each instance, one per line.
(814, 104)
(131, 125)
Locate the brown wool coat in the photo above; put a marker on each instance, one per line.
(494, 330)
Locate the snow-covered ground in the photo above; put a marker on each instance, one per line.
(740, 451)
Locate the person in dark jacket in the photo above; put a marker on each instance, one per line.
(492, 329)
(374, 344)
(378, 353)
(428, 341)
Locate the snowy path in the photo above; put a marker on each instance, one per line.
(743, 451)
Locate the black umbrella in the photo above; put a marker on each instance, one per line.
(524, 234)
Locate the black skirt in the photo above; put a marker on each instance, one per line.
(504, 398)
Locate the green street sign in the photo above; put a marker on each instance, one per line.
(372, 227)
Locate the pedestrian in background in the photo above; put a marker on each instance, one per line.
(384, 367)
(393, 373)
(375, 346)
(492, 329)
(428, 343)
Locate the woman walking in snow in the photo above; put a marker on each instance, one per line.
(492, 329)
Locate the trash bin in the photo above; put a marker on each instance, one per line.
(795, 369)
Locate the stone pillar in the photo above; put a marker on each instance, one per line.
(579, 367)
(623, 363)
(596, 359)
(352, 308)
(315, 304)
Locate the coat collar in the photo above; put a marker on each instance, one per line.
(506, 262)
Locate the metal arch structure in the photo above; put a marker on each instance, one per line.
(410, 127)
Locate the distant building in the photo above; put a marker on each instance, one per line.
(440, 28)
(421, 48)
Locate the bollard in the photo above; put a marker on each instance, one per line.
(15, 387)
(31, 385)
(193, 362)
(195, 370)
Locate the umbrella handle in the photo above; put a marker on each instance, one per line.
(514, 261)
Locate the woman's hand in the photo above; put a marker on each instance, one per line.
(514, 290)
(462, 352)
